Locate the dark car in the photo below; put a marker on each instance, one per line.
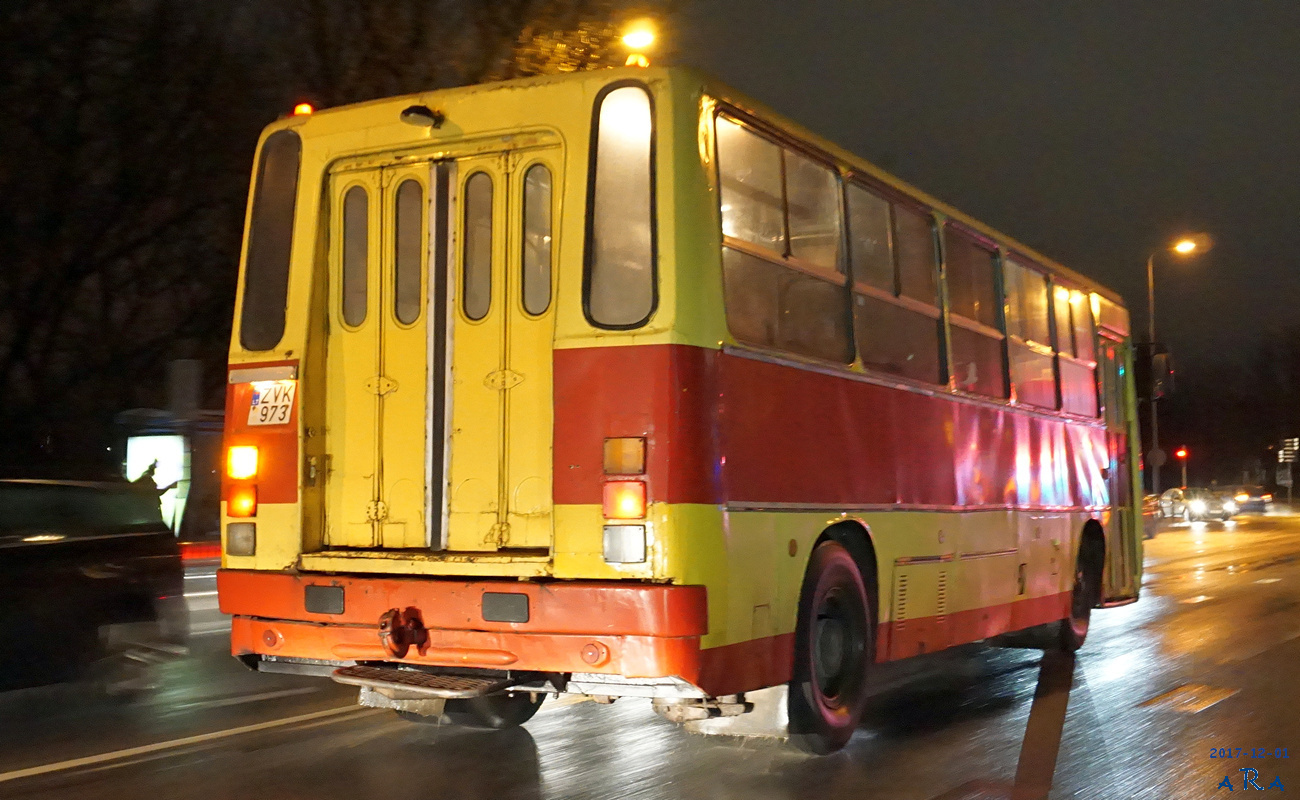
(1198, 504)
(1250, 498)
(1172, 503)
(83, 566)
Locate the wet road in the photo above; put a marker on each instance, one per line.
(1208, 659)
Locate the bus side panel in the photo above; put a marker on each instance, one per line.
(782, 449)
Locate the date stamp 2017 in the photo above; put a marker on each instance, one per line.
(1248, 752)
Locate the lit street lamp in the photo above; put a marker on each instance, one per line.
(638, 37)
(1181, 455)
(1185, 246)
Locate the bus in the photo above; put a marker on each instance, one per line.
(619, 384)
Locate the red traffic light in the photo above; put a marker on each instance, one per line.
(1181, 453)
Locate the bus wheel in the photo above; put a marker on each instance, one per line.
(495, 711)
(833, 648)
(1086, 594)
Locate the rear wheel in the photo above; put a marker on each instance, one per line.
(495, 711)
(1086, 594)
(834, 644)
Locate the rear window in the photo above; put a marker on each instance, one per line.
(620, 277)
(270, 235)
(71, 510)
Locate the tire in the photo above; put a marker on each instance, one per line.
(834, 647)
(494, 712)
(1086, 594)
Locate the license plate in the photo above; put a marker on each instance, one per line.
(272, 402)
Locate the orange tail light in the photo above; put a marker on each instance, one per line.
(242, 501)
(624, 500)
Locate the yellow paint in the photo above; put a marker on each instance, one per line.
(502, 414)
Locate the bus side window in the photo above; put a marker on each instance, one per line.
(356, 251)
(408, 249)
(812, 200)
(1029, 349)
(896, 335)
(1075, 351)
(535, 260)
(477, 253)
(976, 356)
(783, 282)
(270, 240)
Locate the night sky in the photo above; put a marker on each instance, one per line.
(1092, 131)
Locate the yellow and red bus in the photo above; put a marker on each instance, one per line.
(617, 383)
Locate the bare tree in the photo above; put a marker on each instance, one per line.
(121, 167)
(125, 154)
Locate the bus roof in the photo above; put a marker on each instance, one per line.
(686, 76)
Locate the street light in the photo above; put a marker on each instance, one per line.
(1183, 246)
(638, 37)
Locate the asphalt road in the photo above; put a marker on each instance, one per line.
(1207, 660)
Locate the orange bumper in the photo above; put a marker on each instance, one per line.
(638, 630)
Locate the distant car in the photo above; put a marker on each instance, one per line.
(1197, 504)
(1251, 498)
(1172, 503)
(1204, 504)
(83, 565)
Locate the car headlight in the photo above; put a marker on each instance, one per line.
(1241, 498)
(1197, 506)
(1229, 506)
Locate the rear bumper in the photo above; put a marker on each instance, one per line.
(639, 630)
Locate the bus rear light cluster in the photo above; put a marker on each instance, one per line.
(623, 499)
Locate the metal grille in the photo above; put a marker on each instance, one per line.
(900, 601)
(943, 597)
(423, 683)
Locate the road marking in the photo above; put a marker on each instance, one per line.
(1189, 698)
(1200, 598)
(248, 698)
(1268, 580)
(132, 752)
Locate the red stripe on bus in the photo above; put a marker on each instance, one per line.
(726, 428)
(769, 661)
(661, 392)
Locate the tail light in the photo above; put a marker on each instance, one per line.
(1241, 498)
(242, 501)
(1268, 498)
(624, 500)
(625, 456)
(241, 461)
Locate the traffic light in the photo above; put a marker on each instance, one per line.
(1181, 453)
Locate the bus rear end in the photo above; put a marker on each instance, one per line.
(397, 513)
